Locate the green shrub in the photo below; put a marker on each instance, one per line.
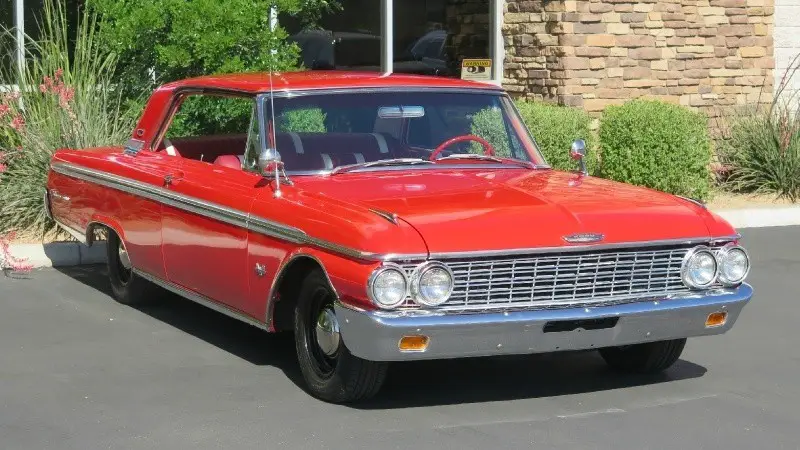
(488, 124)
(306, 120)
(554, 128)
(658, 145)
(167, 40)
(763, 152)
(68, 100)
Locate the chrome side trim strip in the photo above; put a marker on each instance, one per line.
(197, 298)
(298, 236)
(208, 209)
(81, 237)
(582, 248)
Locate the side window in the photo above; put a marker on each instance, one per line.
(207, 127)
(253, 142)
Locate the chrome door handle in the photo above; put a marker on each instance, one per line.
(173, 178)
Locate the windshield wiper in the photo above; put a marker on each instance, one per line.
(381, 162)
(488, 158)
(470, 156)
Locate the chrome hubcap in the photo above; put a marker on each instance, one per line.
(123, 257)
(327, 332)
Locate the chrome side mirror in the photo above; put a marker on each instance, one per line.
(267, 160)
(270, 165)
(578, 151)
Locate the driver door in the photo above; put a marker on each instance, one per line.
(205, 245)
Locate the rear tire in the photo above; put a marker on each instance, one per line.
(331, 372)
(127, 287)
(649, 358)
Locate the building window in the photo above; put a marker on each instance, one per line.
(431, 37)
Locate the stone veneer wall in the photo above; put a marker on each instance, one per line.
(787, 45)
(592, 53)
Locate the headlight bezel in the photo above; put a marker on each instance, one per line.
(386, 267)
(694, 251)
(721, 257)
(416, 278)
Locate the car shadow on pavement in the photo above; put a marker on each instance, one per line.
(237, 338)
(409, 384)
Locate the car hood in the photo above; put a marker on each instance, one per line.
(503, 209)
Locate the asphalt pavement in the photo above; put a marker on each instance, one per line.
(80, 371)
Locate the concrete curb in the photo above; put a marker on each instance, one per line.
(762, 217)
(60, 254)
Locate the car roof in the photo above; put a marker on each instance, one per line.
(322, 79)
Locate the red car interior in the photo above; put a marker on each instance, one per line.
(299, 151)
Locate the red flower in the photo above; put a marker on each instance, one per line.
(18, 123)
(4, 109)
(3, 167)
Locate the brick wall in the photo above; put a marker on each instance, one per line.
(708, 54)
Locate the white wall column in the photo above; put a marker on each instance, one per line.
(387, 36)
(19, 24)
(497, 49)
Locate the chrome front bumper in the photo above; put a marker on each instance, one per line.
(375, 335)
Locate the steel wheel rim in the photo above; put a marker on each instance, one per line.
(125, 267)
(324, 362)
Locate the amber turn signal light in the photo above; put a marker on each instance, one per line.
(716, 319)
(413, 343)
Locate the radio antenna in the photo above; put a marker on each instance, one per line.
(271, 131)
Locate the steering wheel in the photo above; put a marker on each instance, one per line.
(488, 150)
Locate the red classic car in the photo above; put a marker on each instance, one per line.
(394, 218)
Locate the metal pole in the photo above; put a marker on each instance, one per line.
(497, 48)
(19, 24)
(387, 36)
(273, 18)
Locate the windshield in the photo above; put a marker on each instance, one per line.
(320, 132)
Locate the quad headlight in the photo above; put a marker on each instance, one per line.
(388, 286)
(432, 284)
(700, 268)
(734, 265)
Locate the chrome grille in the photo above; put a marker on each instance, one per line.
(558, 280)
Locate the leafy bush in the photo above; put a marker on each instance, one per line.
(65, 99)
(488, 124)
(554, 128)
(166, 40)
(656, 144)
(306, 120)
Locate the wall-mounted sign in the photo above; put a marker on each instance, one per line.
(476, 69)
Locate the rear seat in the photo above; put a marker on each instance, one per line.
(324, 151)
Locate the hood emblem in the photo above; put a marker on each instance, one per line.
(583, 238)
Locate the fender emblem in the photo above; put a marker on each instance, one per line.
(583, 238)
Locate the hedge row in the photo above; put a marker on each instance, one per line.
(644, 142)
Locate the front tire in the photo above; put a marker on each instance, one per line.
(649, 358)
(127, 287)
(330, 371)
